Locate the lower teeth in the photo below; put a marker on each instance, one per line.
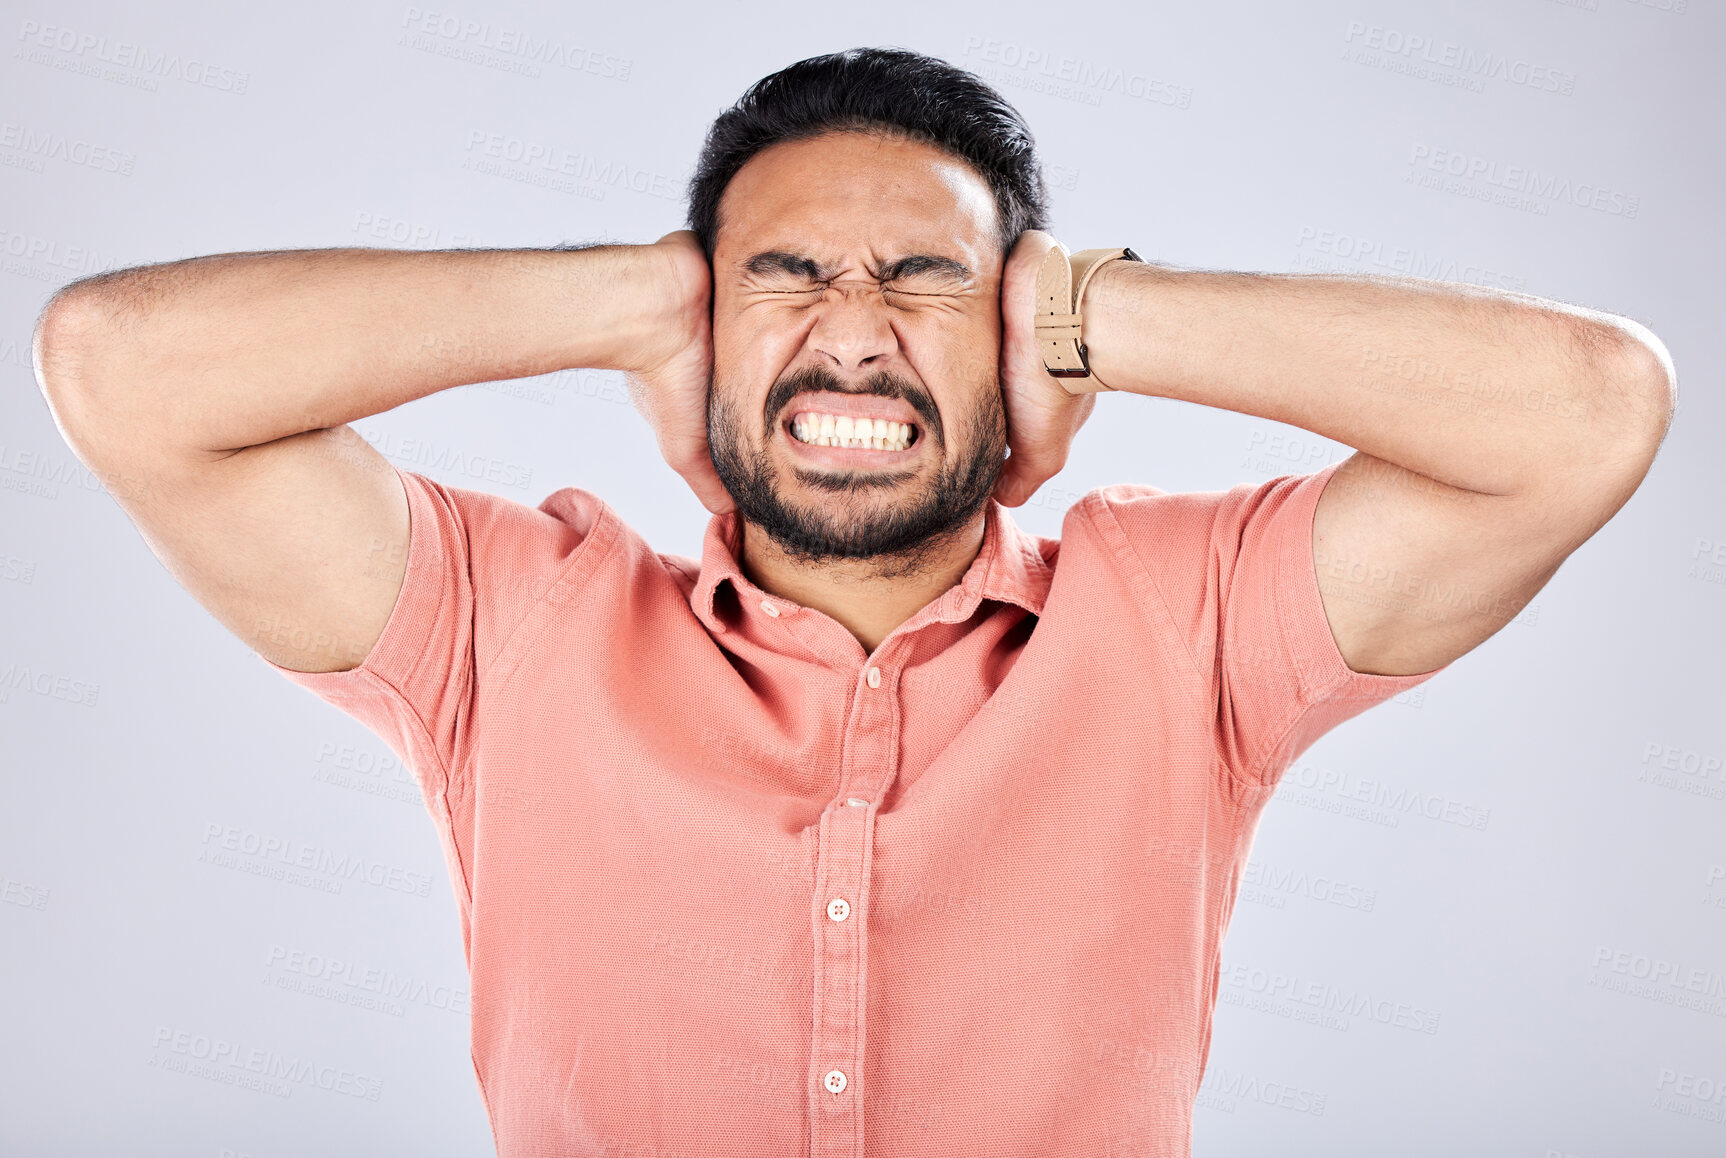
(852, 443)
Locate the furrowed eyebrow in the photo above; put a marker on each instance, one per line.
(920, 263)
(797, 265)
(775, 261)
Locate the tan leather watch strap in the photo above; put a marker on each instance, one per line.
(1061, 282)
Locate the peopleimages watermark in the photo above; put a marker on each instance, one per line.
(1475, 382)
(1268, 884)
(561, 169)
(1325, 1004)
(358, 986)
(1693, 987)
(267, 1071)
(357, 770)
(41, 258)
(1708, 560)
(1684, 770)
(1072, 77)
(88, 52)
(1309, 784)
(413, 234)
(1691, 1095)
(472, 39)
(1335, 251)
(426, 454)
(230, 846)
(1514, 186)
(1222, 1089)
(49, 470)
(1419, 55)
(30, 147)
(23, 894)
(23, 677)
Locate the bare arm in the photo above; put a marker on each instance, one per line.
(1495, 431)
(212, 394)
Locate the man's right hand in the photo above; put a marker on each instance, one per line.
(675, 373)
(214, 395)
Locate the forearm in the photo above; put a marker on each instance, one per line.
(216, 353)
(1483, 390)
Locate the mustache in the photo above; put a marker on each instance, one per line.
(882, 384)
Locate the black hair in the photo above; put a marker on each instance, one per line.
(890, 90)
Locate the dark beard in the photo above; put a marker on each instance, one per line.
(899, 537)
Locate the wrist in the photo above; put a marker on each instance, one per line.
(1065, 284)
(630, 306)
(676, 310)
(1111, 318)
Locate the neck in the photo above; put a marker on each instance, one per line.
(868, 597)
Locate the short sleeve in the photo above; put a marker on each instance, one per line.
(1235, 572)
(476, 565)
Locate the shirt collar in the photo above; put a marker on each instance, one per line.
(1011, 567)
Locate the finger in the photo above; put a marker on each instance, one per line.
(1033, 241)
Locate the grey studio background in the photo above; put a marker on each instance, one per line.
(1524, 856)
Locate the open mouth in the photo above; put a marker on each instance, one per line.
(817, 428)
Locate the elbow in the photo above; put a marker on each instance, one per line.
(1622, 396)
(66, 355)
(1634, 398)
(61, 347)
(1638, 378)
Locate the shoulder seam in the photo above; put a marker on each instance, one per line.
(1306, 696)
(402, 474)
(444, 788)
(605, 527)
(1119, 543)
(552, 579)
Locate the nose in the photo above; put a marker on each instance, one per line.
(853, 326)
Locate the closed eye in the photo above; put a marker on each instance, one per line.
(914, 275)
(924, 276)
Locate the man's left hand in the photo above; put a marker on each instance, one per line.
(1042, 417)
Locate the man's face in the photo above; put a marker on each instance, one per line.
(856, 292)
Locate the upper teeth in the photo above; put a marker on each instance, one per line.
(844, 430)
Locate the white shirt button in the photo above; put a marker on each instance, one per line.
(834, 1081)
(767, 606)
(838, 908)
(873, 675)
(856, 803)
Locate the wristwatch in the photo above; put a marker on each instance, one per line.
(1061, 283)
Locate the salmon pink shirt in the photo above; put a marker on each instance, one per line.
(730, 886)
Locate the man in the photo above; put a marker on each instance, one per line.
(883, 827)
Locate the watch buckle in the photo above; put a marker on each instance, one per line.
(1084, 370)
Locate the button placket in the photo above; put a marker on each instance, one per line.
(847, 833)
(836, 1126)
